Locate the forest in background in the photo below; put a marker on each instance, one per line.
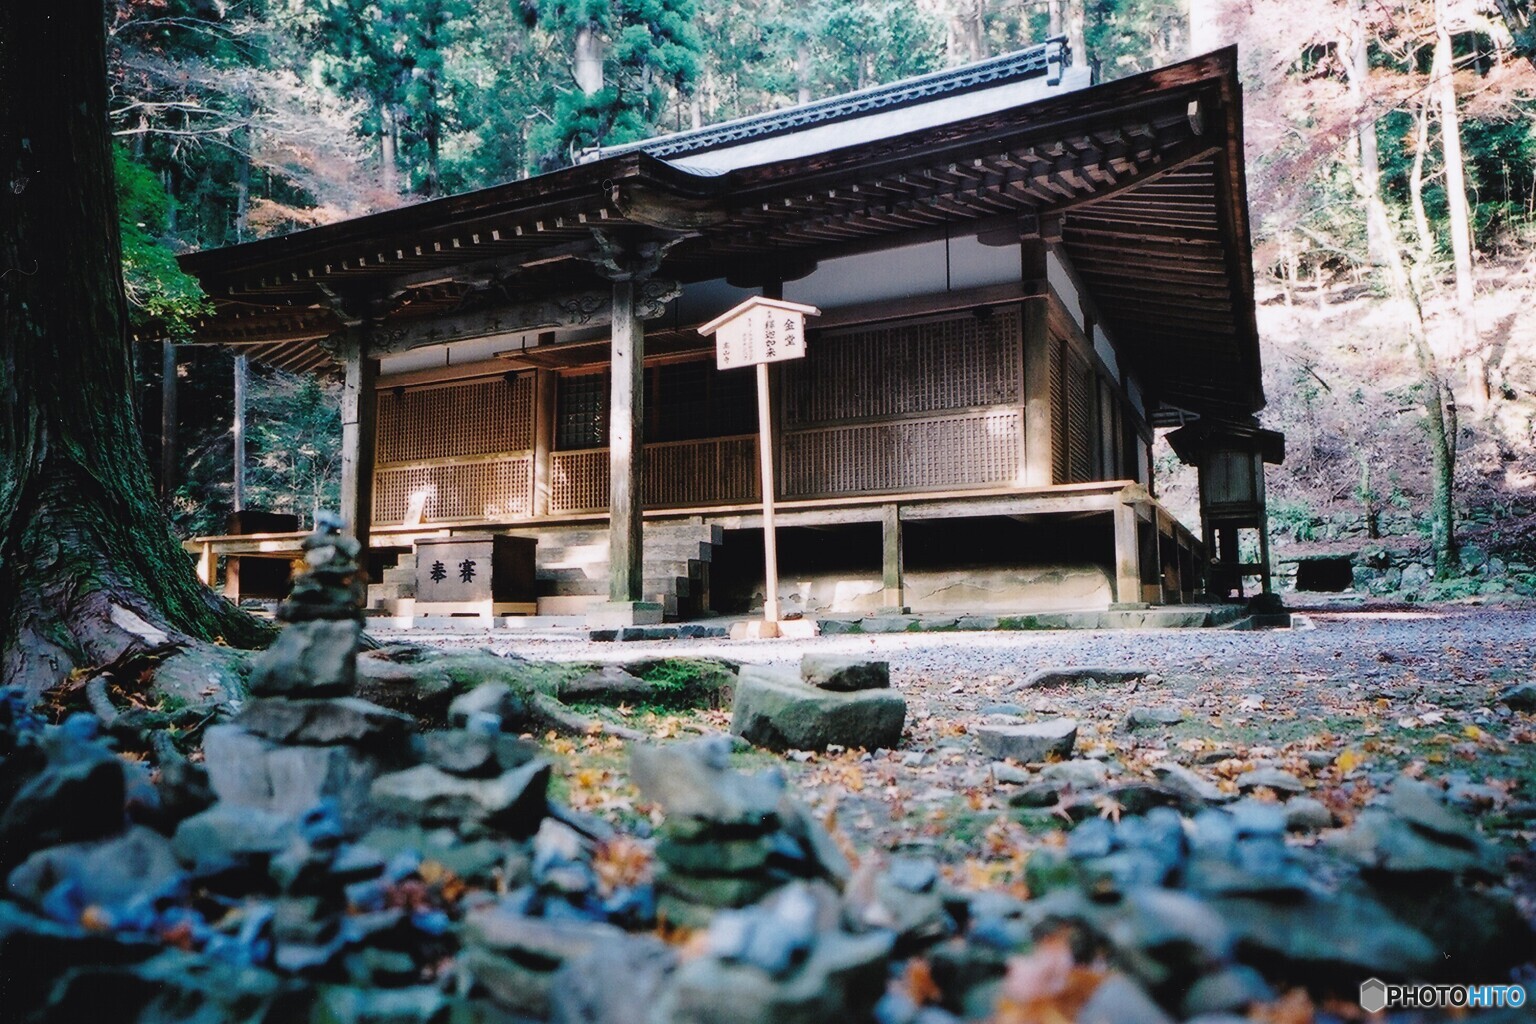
(1392, 184)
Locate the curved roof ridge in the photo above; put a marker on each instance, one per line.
(1044, 59)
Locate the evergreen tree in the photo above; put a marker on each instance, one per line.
(628, 59)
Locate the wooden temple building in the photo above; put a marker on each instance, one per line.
(1021, 274)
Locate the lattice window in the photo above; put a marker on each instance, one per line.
(1059, 464)
(579, 481)
(581, 412)
(710, 472)
(685, 401)
(1080, 418)
(713, 471)
(485, 489)
(479, 417)
(958, 362)
(930, 454)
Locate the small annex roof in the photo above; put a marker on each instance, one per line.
(1139, 183)
(883, 111)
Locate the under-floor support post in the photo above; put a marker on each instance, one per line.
(891, 564)
(1127, 556)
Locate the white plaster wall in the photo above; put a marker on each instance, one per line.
(911, 270)
(1061, 282)
(1059, 588)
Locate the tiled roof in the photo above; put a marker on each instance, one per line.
(1046, 60)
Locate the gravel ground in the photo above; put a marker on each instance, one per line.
(1439, 647)
(1395, 690)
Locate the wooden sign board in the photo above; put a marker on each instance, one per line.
(474, 568)
(758, 331)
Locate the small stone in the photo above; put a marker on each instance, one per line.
(1142, 718)
(471, 753)
(78, 800)
(612, 683)
(1009, 774)
(1230, 990)
(1092, 676)
(1521, 697)
(694, 780)
(1004, 708)
(583, 990)
(1216, 755)
(1030, 743)
(495, 699)
(1304, 814)
(1188, 783)
(720, 856)
(714, 890)
(322, 722)
(1271, 778)
(139, 865)
(516, 957)
(317, 658)
(844, 674)
(1424, 806)
(225, 835)
(1119, 1000)
(514, 802)
(1080, 775)
(1317, 760)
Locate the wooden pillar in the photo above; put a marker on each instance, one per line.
(546, 385)
(207, 564)
(1127, 556)
(626, 408)
(891, 565)
(168, 454)
(1039, 412)
(242, 371)
(359, 407)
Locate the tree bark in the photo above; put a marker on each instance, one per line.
(1440, 415)
(1444, 84)
(88, 566)
(1378, 229)
(588, 65)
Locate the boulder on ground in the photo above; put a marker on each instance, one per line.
(775, 709)
(1036, 741)
(844, 674)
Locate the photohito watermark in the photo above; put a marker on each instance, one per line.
(1376, 994)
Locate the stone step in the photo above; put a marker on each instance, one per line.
(580, 604)
(581, 554)
(677, 586)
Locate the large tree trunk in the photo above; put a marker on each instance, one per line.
(1440, 415)
(88, 566)
(1378, 230)
(1444, 83)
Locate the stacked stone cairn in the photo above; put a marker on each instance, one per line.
(729, 838)
(302, 737)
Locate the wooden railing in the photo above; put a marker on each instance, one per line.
(931, 453)
(677, 474)
(493, 487)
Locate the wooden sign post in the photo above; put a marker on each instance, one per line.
(758, 332)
